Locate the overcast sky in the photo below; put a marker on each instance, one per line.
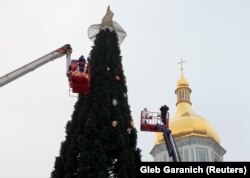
(212, 36)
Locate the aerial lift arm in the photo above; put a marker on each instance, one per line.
(159, 122)
(170, 143)
(65, 50)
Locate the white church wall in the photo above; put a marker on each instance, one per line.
(191, 149)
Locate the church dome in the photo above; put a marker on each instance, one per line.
(185, 122)
(182, 82)
(190, 125)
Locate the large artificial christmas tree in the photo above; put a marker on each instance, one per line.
(101, 138)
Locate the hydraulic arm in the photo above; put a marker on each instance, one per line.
(65, 50)
(170, 143)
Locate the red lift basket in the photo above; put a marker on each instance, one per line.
(79, 81)
(150, 119)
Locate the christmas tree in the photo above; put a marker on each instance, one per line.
(101, 138)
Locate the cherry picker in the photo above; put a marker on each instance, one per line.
(159, 122)
(79, 81)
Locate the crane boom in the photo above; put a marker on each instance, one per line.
(159, 122)
(65, 50)
(170, 143)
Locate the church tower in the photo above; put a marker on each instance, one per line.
(195, 137)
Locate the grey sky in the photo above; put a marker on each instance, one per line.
(212, 36)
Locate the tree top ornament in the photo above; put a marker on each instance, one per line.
(107, 22)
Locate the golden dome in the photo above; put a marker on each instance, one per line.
(185, 122)
(189, 124)
(182, 82)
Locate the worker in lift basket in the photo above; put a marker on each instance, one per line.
(81, 63)
(145, 115)
(164, 114)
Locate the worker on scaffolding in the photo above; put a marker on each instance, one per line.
(164, 114)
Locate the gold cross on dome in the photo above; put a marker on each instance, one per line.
(181, 63)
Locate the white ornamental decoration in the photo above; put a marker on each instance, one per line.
(107, 23)
(129, 130)
(114, 102)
